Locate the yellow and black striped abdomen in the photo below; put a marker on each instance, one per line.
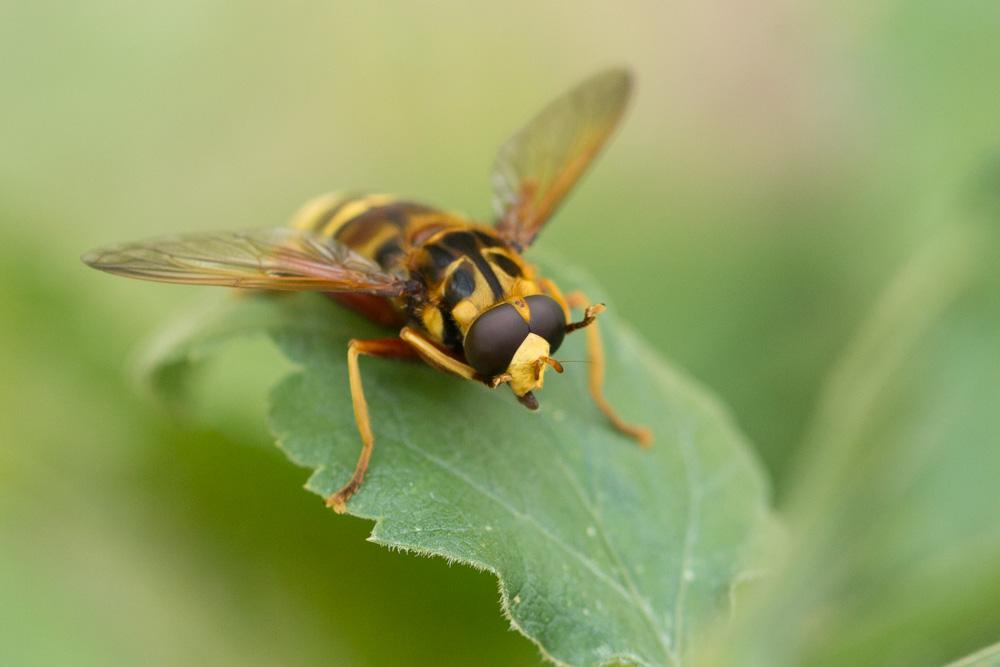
(380, 227)
(465, 268)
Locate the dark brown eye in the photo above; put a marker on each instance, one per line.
(494, 338)
(547, 320)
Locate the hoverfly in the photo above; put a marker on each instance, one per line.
(466, 301)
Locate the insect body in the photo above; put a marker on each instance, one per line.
(463, 270)
(460, 294)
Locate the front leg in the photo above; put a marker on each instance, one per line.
(433, 356)
(595, 367)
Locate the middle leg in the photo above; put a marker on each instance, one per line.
(411, 344)
(387, 348)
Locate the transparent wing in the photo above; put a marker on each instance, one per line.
(539, 165)
(270, 259)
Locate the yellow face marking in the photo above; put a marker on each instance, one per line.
(527, 370)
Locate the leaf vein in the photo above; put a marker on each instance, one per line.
(527, 518)
(684, 574)
(641, 603)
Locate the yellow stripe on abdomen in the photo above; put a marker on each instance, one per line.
(315, 212)
(352, 209)
(326, 214)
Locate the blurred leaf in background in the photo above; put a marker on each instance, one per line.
(781, 161)
(895, 558)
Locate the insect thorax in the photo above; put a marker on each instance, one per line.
(466, 268)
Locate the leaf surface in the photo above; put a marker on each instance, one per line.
(604, 552)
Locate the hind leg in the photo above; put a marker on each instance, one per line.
(595, 368)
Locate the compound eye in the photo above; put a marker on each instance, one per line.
(494, 338)
(547, 320)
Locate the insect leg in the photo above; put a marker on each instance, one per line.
(391, 348)
(595, 370)
(433, 355)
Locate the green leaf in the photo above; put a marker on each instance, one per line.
(987, 657)
(895, 548)
(604, 552)
(213, 364)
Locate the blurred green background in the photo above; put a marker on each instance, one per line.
(780, 162)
